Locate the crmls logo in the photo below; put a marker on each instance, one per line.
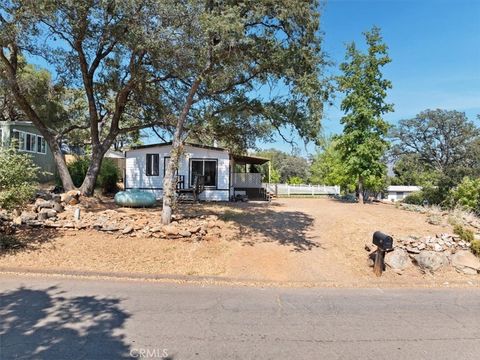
(149, 353)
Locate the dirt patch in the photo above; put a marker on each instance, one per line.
(291, 240)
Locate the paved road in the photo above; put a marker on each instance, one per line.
(86, 319)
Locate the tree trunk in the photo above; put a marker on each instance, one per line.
(169, 182)
(62, 168)
(88, 185)
(361, 199)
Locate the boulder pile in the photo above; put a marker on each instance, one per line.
(71, 211)
(432, 253)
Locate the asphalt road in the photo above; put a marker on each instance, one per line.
(86, 319)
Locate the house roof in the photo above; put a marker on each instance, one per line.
(170, 143)
(405, 188)
(255, 160)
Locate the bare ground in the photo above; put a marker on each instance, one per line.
(308, 241)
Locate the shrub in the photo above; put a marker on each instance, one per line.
(295, 180)
(107, 177)
(475, 247)
(466, 195)
(78, 169)
(464, 233)
(415, 198)
(18, 179)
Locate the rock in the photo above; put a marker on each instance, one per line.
(211, 224)
(422, 246)
(56, 198)
(413, 250)
(110, 227)
(73, 201)
(195, 230)
(58, 207)
(42, 216)
(127, 230)
(50, 212)
(156, 229)
(43, 204)
(469, 271)
(437, 247)
(170, 230)
(397, 259)
(465, 259)
(68, 225)
(431, 260)
(185, 233)
(80, 226)
(27, 216)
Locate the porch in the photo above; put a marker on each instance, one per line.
(247, 176)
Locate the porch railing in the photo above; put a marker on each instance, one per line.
(247, 180)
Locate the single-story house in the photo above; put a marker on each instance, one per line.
(29, 140)
(225, 174)
(399, 192)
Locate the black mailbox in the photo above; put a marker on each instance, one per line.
(383, 241)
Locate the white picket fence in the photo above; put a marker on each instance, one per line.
(304, 189)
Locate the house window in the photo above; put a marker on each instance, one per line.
(400, 194)
(29, 142)
(152, 164)
(41, 146)
(207, 168)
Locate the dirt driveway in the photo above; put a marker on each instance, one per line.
(303, 241)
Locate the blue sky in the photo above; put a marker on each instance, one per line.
(434, 45)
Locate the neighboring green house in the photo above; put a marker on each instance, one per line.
(29, 140)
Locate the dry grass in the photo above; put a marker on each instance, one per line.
(288, 240)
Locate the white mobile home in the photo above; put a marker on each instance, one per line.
(225, 174)
(399, 192)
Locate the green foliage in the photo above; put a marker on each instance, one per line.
(464, 233)
(18, 179)
(295, 180)
(436, 150)
(284, 166)
(466, 195)
(410, 170)
(415, 198)
(475, 247)
(328, 169)
(362, 144)
(107, 178)
(78, 169)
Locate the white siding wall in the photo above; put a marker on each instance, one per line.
(135, 170)
(397, 196)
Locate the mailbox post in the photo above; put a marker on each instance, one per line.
(384, 243)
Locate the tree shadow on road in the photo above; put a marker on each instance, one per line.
(42, 324)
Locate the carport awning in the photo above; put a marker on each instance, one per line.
(254, 160)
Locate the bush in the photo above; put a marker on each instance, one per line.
(295, 180)
(107, 177)
(18, 179)
(464, 233)
(78, 169)
(466, 195)
(475, 247)
(415, 198)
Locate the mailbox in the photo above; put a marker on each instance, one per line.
(383, 241)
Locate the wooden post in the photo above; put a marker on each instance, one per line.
(379, 262)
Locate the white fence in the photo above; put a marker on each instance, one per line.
(291, 190)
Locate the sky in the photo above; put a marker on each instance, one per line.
(435, 51)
